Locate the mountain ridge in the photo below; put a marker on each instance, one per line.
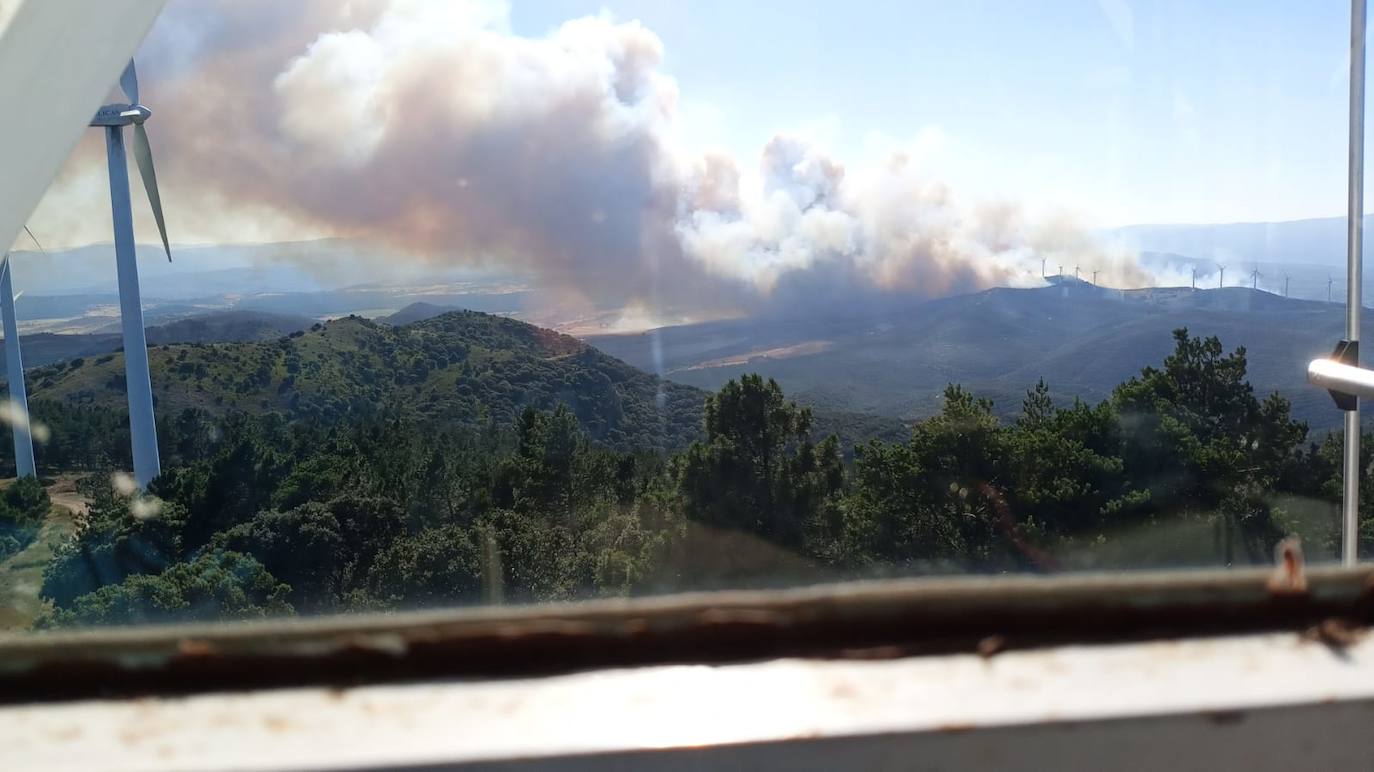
(1082, 339)
(462, 368)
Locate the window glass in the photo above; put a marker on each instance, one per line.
(477, 302)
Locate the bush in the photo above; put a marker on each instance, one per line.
(216, 586)
(9, 545)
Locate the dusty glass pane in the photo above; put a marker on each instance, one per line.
(481, 303)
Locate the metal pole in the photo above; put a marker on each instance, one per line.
(1350, 502)
(142, 427)
(14, 374)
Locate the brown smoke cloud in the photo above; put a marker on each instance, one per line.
(426, 126)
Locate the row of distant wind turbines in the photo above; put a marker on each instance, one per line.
(142, 426)
(1221, 279)
(1255, 277)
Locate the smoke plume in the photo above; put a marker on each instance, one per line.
(426, 126)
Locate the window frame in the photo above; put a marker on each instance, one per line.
(864, 620)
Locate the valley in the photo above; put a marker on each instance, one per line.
(1081, 339)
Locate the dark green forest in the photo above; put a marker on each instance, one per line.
(461, 369)
(551, 495)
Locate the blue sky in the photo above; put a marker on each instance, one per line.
(1115, 111)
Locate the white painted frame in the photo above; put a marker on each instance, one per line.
(1272, 701)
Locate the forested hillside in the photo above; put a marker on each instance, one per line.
(1183, 465)
(462, 368)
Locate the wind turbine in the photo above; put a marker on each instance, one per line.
(1095, 276)
(14, 373)
(1285, 284)
(1254, 279)
(1222, 281)
(1194, 277)
(1075, 273)
(1329, 280)
(1042, 267)
(113, 118)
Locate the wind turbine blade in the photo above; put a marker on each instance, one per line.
(143, 155)
(129, 82)
(57, 57)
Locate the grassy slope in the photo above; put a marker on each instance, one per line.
(21, 576)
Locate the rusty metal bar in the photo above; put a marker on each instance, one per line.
(864, 619)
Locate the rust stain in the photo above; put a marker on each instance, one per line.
(277, 724)
(191, 647)
(991, 646)
(956, 728)
(636, 626)
(1335, 632)
(1289, 577)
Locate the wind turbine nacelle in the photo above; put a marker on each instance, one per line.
(121, 115)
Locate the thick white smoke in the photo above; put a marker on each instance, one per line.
(426, 125)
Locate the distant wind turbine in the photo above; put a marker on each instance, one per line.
(1075, 273)
(1329, 280)
(1285, 284)
(1095, 276)
(1254, 279)
(1042, 267)
(113, 118)
(1222, 281)
(1194, 277)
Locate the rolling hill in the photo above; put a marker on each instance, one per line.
(1082, 339)
(210, 327)
(415, 312)
(462, 368)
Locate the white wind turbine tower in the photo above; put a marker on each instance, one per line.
(1222, 281)
(14, 372)
(1329, 281)
(1254, 279)
(1286, 277)
(113, 118)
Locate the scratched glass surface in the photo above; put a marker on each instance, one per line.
(385, 304)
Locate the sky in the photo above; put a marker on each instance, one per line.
(1119, 111)
(739, 154)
